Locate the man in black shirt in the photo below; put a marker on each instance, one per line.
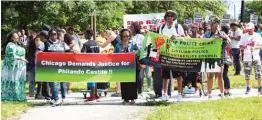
(91, 46)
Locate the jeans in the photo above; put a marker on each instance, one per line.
(31, 80)
(63, 89)
(54, 90)
(146, 72)
(236, 57)
(260, 54)
(225, 77)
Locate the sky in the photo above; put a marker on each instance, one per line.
(237, 4)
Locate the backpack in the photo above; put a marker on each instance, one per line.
(163, 26)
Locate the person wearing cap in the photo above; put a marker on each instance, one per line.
(251, 43)
(43, 88)
(235, 39)
(172, 30)
(214, 32)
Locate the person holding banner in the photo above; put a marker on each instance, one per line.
(216, 33)
(128, 89)
(13, 75)
(91, 46)
(251, 43)
(54, 45)
(172, 30)
(137, 38)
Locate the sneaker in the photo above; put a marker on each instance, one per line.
(148, 90)
(248, 90)
(157, 96)
(90, 99)
(39, 97)
(228, 94)
(116, 95)
(179, 98)
(209, 96)
(132, 102)
(31, 95)
(221, 95)
(47, 98)
(97, 97)
(52, 102)
(56, 103)
(165, 97)
(125, 102)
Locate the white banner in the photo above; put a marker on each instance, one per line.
(147, 21)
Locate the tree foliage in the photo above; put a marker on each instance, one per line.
(109, 14)
(253, 7)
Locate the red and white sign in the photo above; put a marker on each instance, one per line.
(147, 21)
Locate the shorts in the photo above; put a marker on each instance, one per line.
(248, 69)
(91, 84)
(165, 73)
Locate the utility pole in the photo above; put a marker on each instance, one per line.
(234, 12)
(242, 11)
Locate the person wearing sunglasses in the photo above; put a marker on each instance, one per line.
(128, 89)
(215, 32)
(54, 45)
(172, 30)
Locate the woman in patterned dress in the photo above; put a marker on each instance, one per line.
(13, 76)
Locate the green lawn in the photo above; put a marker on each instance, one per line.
(225, 109)
(11, 109)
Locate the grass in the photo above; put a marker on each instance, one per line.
(14, 109)
(225, 109)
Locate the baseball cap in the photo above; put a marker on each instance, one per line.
(250, 26)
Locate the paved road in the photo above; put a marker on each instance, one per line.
(108, 108)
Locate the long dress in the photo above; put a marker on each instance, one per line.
(13, 75)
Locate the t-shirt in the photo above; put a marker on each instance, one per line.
(91, 46)
(57, 46)
(172, 31)
(251, 41)
(235, 43)
(138, 40)
(259, 32)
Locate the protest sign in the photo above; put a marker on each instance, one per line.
(188, 21)
(68, 67)
(187, 54)
(198, 18)
(147, 21)
(254, 19)
(225, 20)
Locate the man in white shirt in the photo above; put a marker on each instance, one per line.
(251, 43)
(235, 39)
(172, 30)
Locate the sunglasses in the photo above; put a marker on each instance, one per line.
(170, 16)
(53, 33)
(125, 36)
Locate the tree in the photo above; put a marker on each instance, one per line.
(253, 7)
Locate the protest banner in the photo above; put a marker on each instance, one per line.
(147, 21)
(187, 54)
(254, 19)
(68, 67)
